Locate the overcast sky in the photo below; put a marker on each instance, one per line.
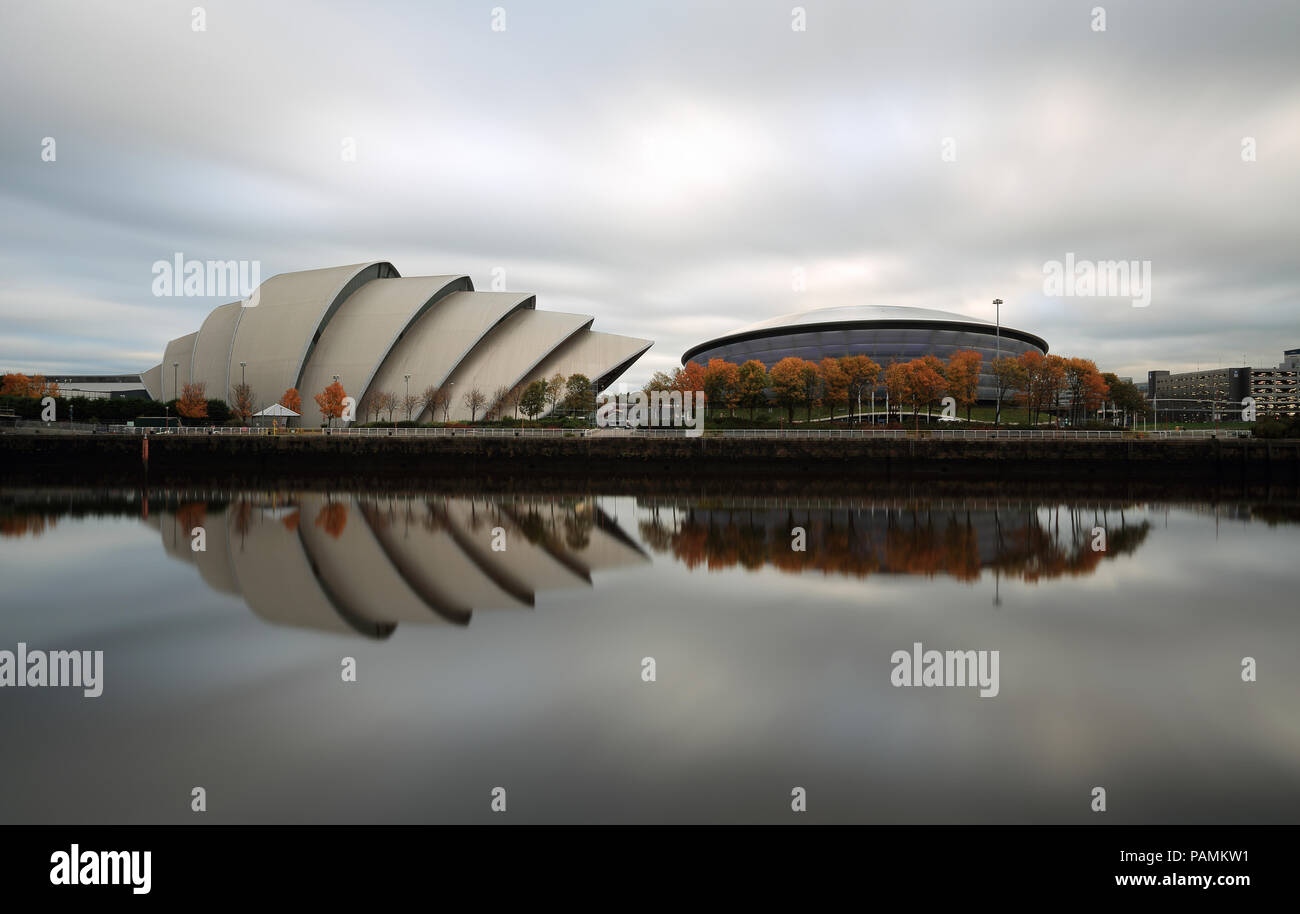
(665, 167)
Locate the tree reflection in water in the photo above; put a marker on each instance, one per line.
(1029, 540)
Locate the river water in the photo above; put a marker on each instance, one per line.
(311, 656)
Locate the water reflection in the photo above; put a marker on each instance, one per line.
(960, 540)
(1120, 668)
(365, 564)
(361, 564)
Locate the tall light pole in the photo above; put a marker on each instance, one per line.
(242, 366)
(997, 409)
(406, 401)
(176, 390)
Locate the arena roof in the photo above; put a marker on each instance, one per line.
(856, 313)
(861, 316)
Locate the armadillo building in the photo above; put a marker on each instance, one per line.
(883, 333)
(379, 332)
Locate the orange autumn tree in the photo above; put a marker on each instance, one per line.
(751, 379)
(193, 403)
(860, 375)
(964, 378)
(929, 381)
(292, 400)
(811, 377)
(688, 378)
(15, 385)
(835, 383)
(722, 384)
(787, 384)
(330, 402)
(898, 386)
(21, 385)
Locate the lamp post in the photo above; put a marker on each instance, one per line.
(331, 418)
(446, 404)
(997, 306)
(406, 400)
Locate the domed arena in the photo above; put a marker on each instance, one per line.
(884, 333)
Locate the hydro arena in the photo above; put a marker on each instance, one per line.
(883, 333)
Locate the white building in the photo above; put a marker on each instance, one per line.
(377, 332)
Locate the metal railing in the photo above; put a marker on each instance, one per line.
(39, 426)
(755, 433)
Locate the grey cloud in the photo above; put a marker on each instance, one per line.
(665, 166)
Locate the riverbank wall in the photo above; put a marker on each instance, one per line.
(184, 459)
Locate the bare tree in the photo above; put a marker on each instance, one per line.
(439, 398)
(241, 401)
(410, 402)
(431, 400)
(388, 403)
(514, 395)
(554, 390)
(498, 403)
(369, 407)
(474, 400)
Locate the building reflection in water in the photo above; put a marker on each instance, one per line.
(365, 564)
(958, 539)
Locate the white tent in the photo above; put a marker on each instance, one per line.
(276, 410)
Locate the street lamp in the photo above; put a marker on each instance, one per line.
(447, 403)
(406, 401)
(997, 409)
(242, 366)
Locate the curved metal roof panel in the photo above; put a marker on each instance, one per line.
(441, 338)
(355, 567)
(177, 358)
(152, 381)
(509, 352)
(211, 363)
(275, 573)
(364, 331)
(276, 336)
(602, 357)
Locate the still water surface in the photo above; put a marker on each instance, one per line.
(524, 667)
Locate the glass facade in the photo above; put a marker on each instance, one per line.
(883, 345)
